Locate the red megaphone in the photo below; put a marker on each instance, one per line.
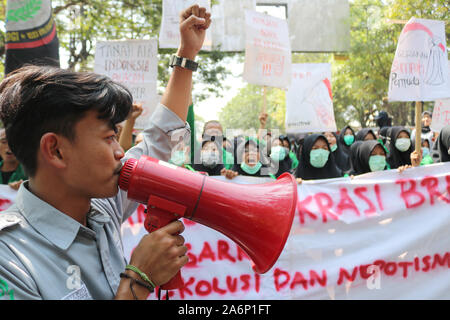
(257, 217)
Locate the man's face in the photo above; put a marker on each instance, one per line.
(93, 158)
(5, 151)
(426, 120)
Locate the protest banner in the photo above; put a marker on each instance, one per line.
(441, 112)
(309, 99)
(133, 63)
(381, 235)
(419, 69)
(267, 50)
(169, 34)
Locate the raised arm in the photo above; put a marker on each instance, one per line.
(193, 24)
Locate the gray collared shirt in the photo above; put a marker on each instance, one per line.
(45, 254)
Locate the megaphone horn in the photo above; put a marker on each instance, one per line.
(257, 217)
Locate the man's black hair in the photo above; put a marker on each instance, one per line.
(35, 100)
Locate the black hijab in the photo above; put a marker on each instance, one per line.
(396, 158)
(442, 146)
(361, 151)
(363, 133)
(383, 134)
(306, 171)
(344, 147)
(342, 159)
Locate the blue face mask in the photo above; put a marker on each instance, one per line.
(377, 163)
(334, 147)
(319, 157)
(426, 151)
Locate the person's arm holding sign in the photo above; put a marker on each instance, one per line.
(162, 253)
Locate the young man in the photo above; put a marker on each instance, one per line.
(61, 239)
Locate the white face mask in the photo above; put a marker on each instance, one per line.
(403, 144)
(209, 158)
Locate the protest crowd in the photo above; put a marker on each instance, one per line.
(82, 129)
(312, 156)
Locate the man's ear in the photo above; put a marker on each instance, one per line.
(51, 150)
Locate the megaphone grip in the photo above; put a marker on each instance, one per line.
(155, 219)
(175, 283)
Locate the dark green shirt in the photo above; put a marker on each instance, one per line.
(17, 175)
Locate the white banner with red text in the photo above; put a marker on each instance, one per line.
(382, 235)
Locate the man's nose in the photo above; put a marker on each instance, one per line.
(119, 153)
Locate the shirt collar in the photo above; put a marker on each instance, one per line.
(54, 225)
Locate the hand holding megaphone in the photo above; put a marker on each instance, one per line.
(161, 253)
(257, 217)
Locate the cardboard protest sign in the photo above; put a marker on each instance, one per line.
(133, 63)
(441, 112)
(419, 70)
(309, 99)
(267, 50)
(381, 235)
(169, 34)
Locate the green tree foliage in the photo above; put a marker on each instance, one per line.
(81, 23)
(243, 111)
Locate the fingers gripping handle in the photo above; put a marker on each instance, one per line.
(161, 212)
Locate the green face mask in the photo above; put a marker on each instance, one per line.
(319, 157)
(349, 139)
(277, 153)
(377, 163)
(251, 170)
(334, 147)
(177, 158)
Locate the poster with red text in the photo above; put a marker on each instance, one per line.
(133, 63)
(419, 70)
(441, 111)
(267, 50)
(381, 235)
(309, 99)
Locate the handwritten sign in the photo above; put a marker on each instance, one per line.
(441, 112)
(267, 50)
(132, 63)
(309, 99)
(382, 235)
(169, 34)
(419, 69)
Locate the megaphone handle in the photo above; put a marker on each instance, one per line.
(175, 283)
(155, 219)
